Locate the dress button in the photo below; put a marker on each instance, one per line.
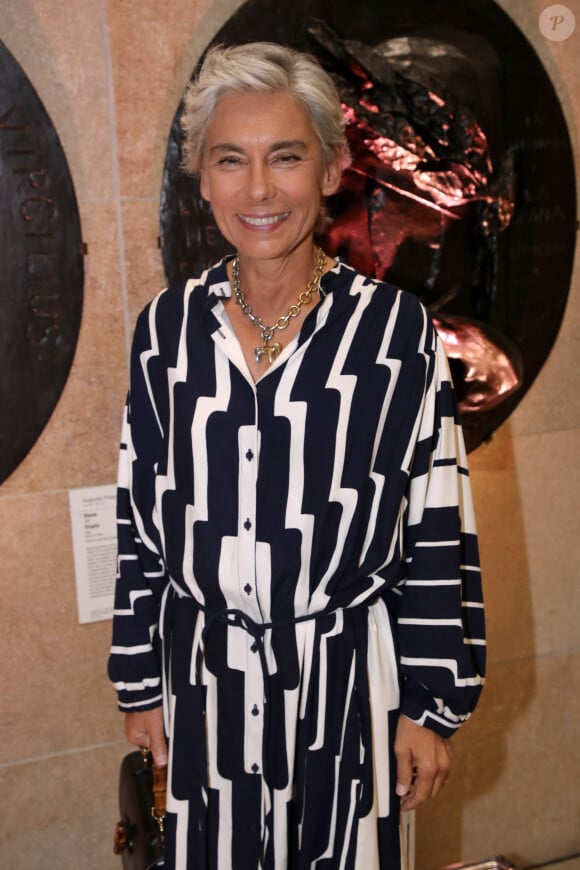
(254, 647)
(247, 524)
(255, 767)
(249, 455)
(255, 711)
(247, 589)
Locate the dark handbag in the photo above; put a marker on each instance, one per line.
(139, 835)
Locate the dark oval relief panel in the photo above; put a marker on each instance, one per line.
(41, 281)
(462, 186)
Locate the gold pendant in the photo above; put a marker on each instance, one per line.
(269, 350)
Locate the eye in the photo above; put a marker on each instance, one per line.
(229, 160)
(286, 158)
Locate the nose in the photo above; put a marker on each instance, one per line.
(260, 182)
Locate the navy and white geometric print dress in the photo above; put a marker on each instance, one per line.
(297, 565)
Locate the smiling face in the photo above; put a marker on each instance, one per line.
(263, 174)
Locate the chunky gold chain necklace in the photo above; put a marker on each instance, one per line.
(268, 350)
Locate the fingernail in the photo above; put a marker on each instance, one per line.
(401, 789)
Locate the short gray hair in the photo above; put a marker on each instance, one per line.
(262, 66)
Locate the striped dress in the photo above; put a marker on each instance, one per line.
(297, 564)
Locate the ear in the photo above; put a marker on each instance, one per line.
(203, 185)
(331, 177)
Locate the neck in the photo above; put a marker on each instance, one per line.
(271, 286)
(269, 321)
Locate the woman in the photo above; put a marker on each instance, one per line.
(296, 538)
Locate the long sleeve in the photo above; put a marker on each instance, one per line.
(134, 662)
(441, 629)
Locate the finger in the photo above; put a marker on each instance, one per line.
(419, 792)
(438, 783)
(440, 777)
(158, 747)
(425, 783)
(430, 779)
(444, 763)
(139, 738)
(135, 732)
(408, 798)
(405, 774)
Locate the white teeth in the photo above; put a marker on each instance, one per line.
(263, 221)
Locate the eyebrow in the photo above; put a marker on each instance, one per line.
(288, 143)
(276, 146)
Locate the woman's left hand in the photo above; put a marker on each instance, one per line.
(423, 761)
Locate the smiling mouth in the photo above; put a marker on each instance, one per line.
(255, 221)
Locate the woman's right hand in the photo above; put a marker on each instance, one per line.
(145, 729)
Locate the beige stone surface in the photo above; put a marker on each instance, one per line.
(527, 498)
(55, 693)
(549, 486)
(61, 812)
(502, 543)
(145, 276)
(572, 864)
(553, 402)
(146, 50)
(62, 50)
(513, 785)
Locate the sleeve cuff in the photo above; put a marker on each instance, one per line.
(419, 706)
(128, 703)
